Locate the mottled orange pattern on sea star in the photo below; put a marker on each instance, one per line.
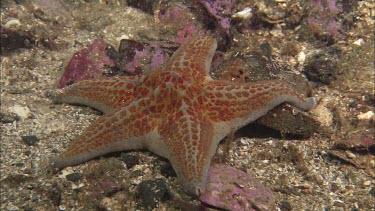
(178, 112)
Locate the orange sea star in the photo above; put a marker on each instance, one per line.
(178, 112)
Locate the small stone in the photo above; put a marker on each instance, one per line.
(358, 42)
(244, 14)
(372, 191)
(338, 203)
(74, 177)
(130, 160)
(285, 206)
(322, 68)
(367, 183)
(22, 111)
(335, 187)
(15, 23)
(30, 140)
(167, 170)
(15, 90)
(366, 116)
(54, 193)
(12, 207)
(8, 117)
(152, 191)
(301, 57)
(350, 154)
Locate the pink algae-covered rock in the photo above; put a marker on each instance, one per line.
(221, 10)
(136, 57)
(86, 63)
(232, 189)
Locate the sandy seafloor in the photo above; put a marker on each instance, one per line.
(301, 173)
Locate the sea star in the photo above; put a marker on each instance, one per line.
(178, 112)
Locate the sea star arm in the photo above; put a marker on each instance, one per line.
(189, 137)
(239, 104)
(125, 129)
(194, 57)
(102, 94)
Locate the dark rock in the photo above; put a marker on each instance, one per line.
(284, 119)
(12, 40)
(167, 170)
(8, 117)
(108, 186)
(335, 187)
(372, 191)
(322, 68)
(285, 206)
(146, 6)
(130, 160)
(54, 193)
(17, 90)
(74, 177)
(30, 140)
(15, 180)
(152, 191)
(136, 173)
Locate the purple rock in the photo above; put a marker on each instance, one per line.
(321, 20)
(232, 189)
(221, 10)
(86, 63)
(136, 57)
(178, 17)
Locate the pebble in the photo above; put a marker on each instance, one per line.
(244, 14)
(8, 117)
(130, 160)
(12, 207)
(350, 154)
(322, 68)
(285, 206)
(74, 177)
(30, 140)
(366, 116)
(12, 24)
(167, 170)
(372, 191)
(301, 57)
(152, 191)
(22, 111)
(338, 203)
(358, 42)
(367, 183)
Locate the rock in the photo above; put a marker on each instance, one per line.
(74, 177)
(87, 63)
(285, 206)
(167, 170)
(146, 6)
(22, 111)
(130, 160)
(54, 193)
(152, 191)
(322, 68)
(30, 140)
(285, 119)
(12, 207)
(8, 117)
(372, 191)
(221, 10)
(232, 189)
